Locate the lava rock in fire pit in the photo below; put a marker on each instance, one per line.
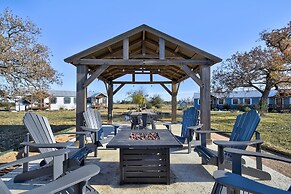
(144, 136)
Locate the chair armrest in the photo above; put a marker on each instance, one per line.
(171, 123)
(47, 145)
(77, 133)
(195, 127)
(82, 174)
(106, 125)
(225, 143)
(36, 157)
(211, 131)
(256, 154)
(232, 180)
(89, 129)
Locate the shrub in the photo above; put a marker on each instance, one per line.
(226, 107)
(149, 105)
(246, 109)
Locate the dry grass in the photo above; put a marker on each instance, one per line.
(275, 128)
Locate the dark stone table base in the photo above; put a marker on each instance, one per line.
(149, 165)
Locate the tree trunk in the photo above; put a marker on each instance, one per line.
(264, 100)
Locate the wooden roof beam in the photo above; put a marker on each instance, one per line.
(109, 49)
(144, 62)
(162, 48)
(118, 88)
(192, 75)
(167, 49)
(142, 82)
(95, 74)
(166, 88)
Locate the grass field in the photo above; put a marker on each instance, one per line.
(275, 128)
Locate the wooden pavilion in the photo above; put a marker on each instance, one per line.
(143, 50)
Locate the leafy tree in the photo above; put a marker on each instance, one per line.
(138, 97)
(260, 68)
(279, 39)
(24, 63)
(156, 101)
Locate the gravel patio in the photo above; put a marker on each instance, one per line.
(187, 175)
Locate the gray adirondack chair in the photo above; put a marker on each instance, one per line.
(233, 183)
(75, 181)
(189, 123)
(44, 140)
(93, 122)
(244, 128)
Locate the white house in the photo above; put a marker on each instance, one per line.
(60, 99)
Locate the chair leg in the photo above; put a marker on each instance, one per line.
(95, 152)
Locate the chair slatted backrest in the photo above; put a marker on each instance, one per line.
(245, 126)
(40, 130)
(92, 118)
(190, 118)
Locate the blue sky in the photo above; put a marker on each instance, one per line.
(218, 27)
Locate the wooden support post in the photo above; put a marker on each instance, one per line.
(205, 100)
(162, 48)
(174, 101)
(125, 48)
(151, 77)
(81, 95)
(110, 102)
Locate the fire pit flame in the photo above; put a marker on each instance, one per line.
(144, 136)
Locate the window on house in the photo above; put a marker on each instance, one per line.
(247, 101)
(198, 101)
(235, 101)
(220, 101)
(104, 100)
(53, 100)
(75, 100)
(67, 100)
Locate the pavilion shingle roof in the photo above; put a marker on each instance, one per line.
(143, 44)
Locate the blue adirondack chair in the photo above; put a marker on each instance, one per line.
(235, 183)
(244, 128)
(189, 123)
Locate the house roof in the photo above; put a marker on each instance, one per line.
(239, 94)
(143, 45)
(62, 93)
(98, 94)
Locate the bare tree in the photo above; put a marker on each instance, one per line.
(25, 63)
(260, 68)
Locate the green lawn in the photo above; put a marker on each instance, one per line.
(275, 128)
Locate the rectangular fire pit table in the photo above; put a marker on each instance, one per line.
(144, 161)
